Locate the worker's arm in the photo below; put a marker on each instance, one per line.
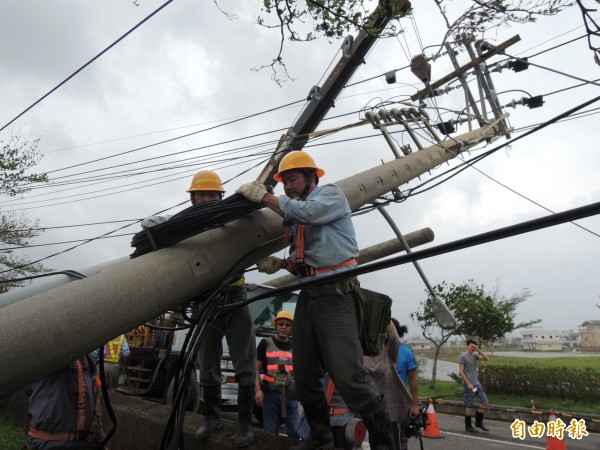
(272, 202)
(413, 383)
(481, 354)
(461, 372)
(259, 396)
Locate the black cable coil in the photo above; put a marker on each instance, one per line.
(191, 221)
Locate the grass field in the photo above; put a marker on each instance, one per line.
(451, 390)
(581, 362)
(11, 437)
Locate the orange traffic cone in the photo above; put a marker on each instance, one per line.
(554, 443)
(432, 430)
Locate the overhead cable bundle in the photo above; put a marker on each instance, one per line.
(191, 221)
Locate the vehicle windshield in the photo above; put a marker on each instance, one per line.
(263, 311)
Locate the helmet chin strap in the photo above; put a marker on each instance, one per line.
(307, 186)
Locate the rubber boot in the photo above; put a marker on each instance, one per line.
(320, 437)
(469, 425)
(380, 430)
(244, 435)
(212, 411)
(479, 421)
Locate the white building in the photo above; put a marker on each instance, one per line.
(542, 340)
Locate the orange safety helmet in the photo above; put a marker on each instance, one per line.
(297, 160)
(283, 315)
(206, 180)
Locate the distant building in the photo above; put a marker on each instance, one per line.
(570, 339)
(419, 344)
(541, 340)
(589, 336)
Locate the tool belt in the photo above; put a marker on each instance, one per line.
(338, 287)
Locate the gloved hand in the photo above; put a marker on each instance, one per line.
(153, 220)
(252, 191)
(270, 264)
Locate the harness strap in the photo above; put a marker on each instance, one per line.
(335, 411)
(81, 397)
(302, 269)
(72, 436)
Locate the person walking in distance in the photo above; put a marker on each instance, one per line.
(322, 242)
(468, 363)
(277, 387)
(236, 326)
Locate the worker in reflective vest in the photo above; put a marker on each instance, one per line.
(114, 350)
(276, 394)
(65, 409)
(326, 332)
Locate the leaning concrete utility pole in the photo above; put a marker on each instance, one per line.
(372, 253)
(49, 330)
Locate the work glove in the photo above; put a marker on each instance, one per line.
(252, 191)
(153, 220)
(270, 264)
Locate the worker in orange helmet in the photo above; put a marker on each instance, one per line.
(236, 326)
(277, 388)
(322, 242)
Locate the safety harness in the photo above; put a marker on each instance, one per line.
(300, 268)
(81, 434)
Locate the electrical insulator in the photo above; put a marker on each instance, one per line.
(534, 102)
(518, 65)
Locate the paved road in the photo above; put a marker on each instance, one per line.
(443, 369)
(499, 437)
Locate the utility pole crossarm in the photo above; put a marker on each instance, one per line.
(427, 92)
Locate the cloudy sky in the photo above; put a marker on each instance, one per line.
(188, 70)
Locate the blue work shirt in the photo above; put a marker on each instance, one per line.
(406, 363)
(329, 237)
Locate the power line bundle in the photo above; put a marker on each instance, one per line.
(191, 221)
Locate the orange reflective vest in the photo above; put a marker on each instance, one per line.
(112, 350)
(333, 410)
(275, 357)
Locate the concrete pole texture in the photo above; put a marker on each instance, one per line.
(49, 330)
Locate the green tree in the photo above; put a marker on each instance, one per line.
(480, 315)
(17, 156)
(306, 20)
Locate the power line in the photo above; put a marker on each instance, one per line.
(177, 137)
(88, 63)
(67, 242)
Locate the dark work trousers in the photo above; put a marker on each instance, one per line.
(238, 329)
(326, 332)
